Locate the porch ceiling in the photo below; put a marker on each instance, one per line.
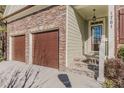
(86, 11)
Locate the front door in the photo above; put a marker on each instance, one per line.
(96, 32)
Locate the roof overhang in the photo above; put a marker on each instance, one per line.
(25, 11)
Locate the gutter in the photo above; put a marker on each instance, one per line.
(16, 12)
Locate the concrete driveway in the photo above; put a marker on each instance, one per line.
(14, 74)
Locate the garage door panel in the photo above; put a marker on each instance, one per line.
(45, 50)
(18, 48)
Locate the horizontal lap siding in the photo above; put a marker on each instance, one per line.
(74, 42)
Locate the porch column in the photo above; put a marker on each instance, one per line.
(101, 78)
(111, 32)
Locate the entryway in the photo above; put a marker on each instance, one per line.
(86, 27)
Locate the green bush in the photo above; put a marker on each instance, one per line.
(121, 53)
(1, 58)
(108, 84)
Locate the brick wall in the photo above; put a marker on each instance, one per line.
(117, 44)
(45, 20)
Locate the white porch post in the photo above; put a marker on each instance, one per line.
(101, 60)
(111, 33)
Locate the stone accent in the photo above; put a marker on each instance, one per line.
(51, 18)
(80, 67)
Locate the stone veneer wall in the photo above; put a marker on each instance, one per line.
(117, 7)
(48, 19)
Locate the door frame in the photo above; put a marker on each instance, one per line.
(90, 32)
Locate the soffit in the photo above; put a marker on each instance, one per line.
(86, 11)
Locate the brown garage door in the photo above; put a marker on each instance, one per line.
(45, 49)
(18, 48)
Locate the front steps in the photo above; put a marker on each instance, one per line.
(81, 68)
(88, 67)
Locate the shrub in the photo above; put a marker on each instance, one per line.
(114, 70)
(121, 53)
(108, 84)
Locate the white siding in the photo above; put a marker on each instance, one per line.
(74, 38)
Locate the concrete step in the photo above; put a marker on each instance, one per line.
(81, 68)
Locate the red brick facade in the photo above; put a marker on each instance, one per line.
(45, 20)
(117, 44)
